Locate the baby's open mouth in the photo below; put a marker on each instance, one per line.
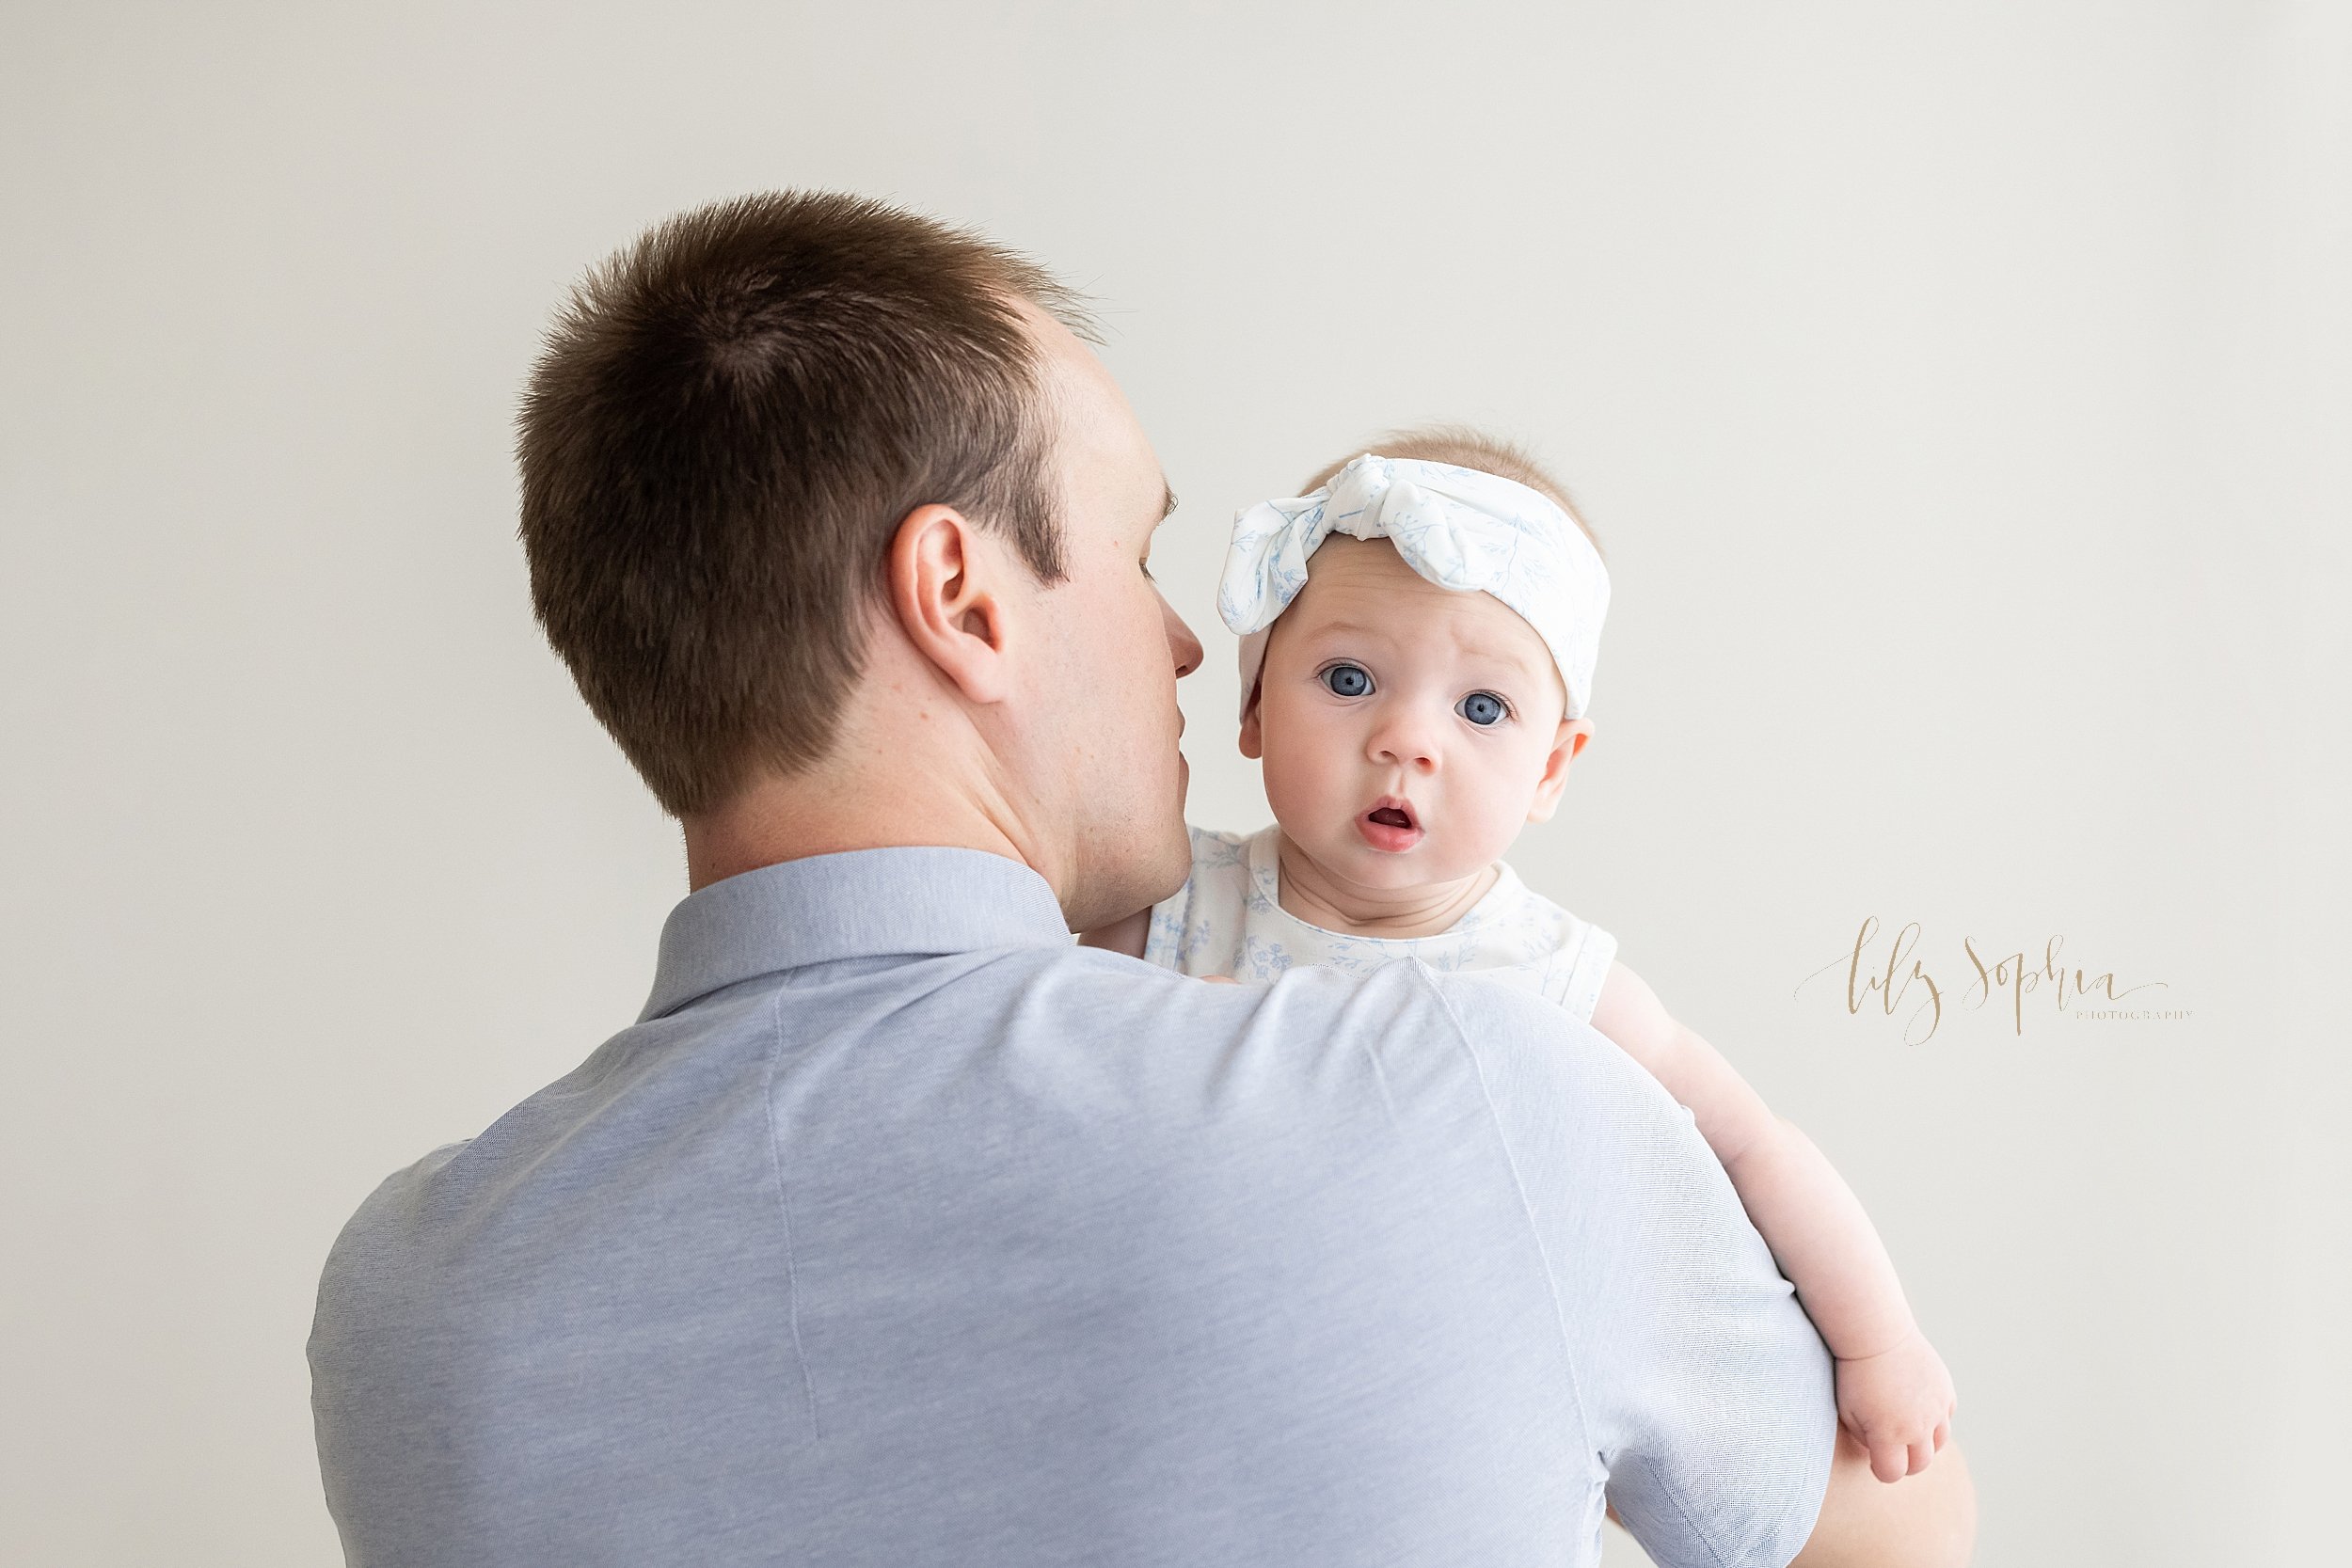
(1388, 826)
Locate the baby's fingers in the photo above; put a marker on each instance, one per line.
(1922, 1455)
(1890, 1461)
(1943, 1431)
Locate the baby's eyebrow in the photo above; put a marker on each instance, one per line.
(1167, 505)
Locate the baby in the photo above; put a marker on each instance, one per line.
(1418, 642)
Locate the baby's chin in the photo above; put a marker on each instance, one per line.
(1348, 855)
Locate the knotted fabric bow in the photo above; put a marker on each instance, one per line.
(1461, 529)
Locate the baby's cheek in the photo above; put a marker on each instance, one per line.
(1497, 811)
(1298, 778)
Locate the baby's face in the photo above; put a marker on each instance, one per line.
(1408, 731)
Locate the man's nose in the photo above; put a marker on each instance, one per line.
(1180, 641)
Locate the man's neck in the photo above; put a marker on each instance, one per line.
(832, 810)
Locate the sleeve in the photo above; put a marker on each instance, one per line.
(1706, 1392)
(1587, 971)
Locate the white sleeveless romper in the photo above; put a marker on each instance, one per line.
(1228, 919)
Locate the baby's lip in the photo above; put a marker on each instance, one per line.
(1394, 811)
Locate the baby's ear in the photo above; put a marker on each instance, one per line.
(1252, 739)
(1572, 736)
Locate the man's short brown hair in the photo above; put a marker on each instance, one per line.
(1467, 448)
(726, 426)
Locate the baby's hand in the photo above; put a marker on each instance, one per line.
(1899, 1405)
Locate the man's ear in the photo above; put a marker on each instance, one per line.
(1252, 739)
(939, 575)
(1573, 734)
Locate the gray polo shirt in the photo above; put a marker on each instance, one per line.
(899, 1230)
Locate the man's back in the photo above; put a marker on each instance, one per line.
(901, 1231)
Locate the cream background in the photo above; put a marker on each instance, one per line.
(1959, 392)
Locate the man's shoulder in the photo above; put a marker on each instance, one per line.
(1474, 1007)
(390, 1207)
(1472, 1052)
(1702, 1383)
(1306, 1010)
(1517, 1032)
(1316, 1053)
(1343, 998)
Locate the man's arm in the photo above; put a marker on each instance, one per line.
(1924, 1521)
(1704, 1389)
(1893, 1392)
(1816, 1227)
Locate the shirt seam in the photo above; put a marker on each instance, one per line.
(1518, 1187)
(1690, 1522)
(1664, 1485)
(784, 1210)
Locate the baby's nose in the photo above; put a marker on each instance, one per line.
(1406, 743)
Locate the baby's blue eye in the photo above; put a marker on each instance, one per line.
(1482, 709)
(1346, 680)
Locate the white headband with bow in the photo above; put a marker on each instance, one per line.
(1461, 529)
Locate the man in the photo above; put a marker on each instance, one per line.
(901, 1231)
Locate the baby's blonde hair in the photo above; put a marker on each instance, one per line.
(1466, 448)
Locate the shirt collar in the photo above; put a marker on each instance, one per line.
(861, 904)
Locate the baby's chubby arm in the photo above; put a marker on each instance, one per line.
(1893, 1390)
